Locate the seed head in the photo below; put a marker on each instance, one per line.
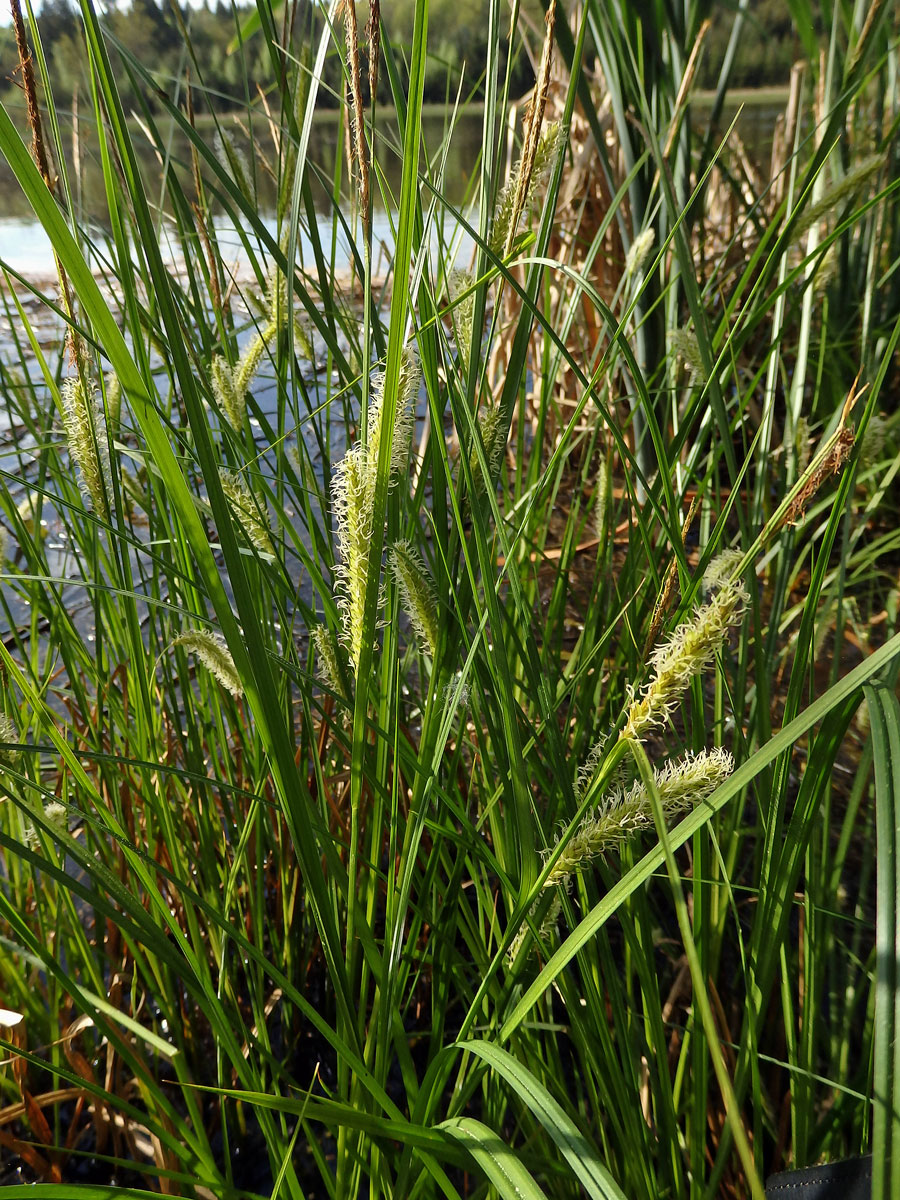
(626, 811)
(690, 649)
(639, 252)
(212, 651)
(232, 403)
(460, 283)
(8, 733)
(686, 348)
(249, 362)
(354, 511)
(251, 514)
(407, 391)
(113, 398)
(328, 653)
(601, 491)
(85, 429)
(234, 161)
(55, 814)
(491, 430)
(417, 593)
(847, 187)
(506, 219)
(355, 480)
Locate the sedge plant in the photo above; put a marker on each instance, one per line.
(371, 643)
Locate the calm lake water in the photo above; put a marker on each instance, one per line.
(25, 248)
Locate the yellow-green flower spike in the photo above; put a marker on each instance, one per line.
(328, 652)
(460, 283)
(417, 593)
(506, 221)
(8, 733)
(404, 402)
(212, 651)
(232, 404)
(690, 649)
(639, 252)
(251, 515)
(353, 509)
(85, 429)
(681, 785)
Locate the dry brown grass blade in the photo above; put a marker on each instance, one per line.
(82, 1068)
(665, 595)
(534, 120)
(687, 80)
(48, 1171)
(357, 115)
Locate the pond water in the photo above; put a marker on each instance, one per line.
(25, 248)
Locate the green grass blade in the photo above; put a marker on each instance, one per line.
(499, 1164)
(884, 717)
(591, 1174)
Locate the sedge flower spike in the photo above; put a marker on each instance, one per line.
(85, 429)
(601, 492)
(625, 811)
(9, 757)
(354, 491)
(506, 217)
(55, 814)
(252, 516)
(639, 252)
(491, 430)
(222, 382)
(231, 384)
(354, 512)
(328, 652)
(690, 649)
(404, 400)
(460, 288)
(417, 593)
(212, 651)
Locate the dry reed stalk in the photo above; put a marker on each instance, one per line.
(665, 595)
(351, 32)
(869, 24)
(534, 121)
(39, 152)
(77, 163)
(783, 142)
(829, 460)
(26, 67)
(373, 45)
(684, 88)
